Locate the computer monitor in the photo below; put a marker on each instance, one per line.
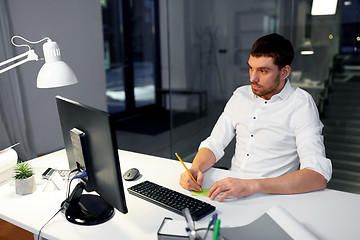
(90, 143)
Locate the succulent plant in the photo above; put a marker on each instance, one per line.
(23, 171)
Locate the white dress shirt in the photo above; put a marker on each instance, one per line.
(273, 137)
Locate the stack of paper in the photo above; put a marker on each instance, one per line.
(8, 160)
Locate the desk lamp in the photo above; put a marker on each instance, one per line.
(54, 73)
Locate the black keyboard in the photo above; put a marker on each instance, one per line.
(170, 199)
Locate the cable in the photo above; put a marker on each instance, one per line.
(79, 175)
(68, 186)
(38, 237)
(25, 45)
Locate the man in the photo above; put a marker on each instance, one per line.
(279, 146)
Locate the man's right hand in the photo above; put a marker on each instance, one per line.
(187, 183)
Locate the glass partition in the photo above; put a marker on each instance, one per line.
(209, 44)
(130, 30)
(204, 48)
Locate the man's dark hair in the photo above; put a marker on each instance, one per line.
(275, 46)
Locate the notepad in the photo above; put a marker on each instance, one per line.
(203, 193)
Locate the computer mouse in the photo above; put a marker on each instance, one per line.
(131, 174)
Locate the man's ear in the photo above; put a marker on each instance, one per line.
(285, 72)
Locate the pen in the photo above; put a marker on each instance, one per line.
(187, 169)
(212, 221)
(216, 229)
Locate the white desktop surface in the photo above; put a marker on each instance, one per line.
(328, 214)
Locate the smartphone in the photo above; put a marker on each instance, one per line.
(50, 171)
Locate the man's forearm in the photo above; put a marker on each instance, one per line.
(301, 181)
(203, 160)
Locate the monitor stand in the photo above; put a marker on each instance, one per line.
(86, 209)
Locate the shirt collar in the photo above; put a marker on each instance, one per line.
(283, 94)
(286, 91)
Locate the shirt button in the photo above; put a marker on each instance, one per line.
(254, 117)
(265, 102)
(247, 154)
(251, 135)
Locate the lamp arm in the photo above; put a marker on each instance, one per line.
(31, 56)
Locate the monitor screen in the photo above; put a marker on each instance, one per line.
(93, 129)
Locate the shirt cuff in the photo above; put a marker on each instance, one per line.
(322, 166)
(217, 152)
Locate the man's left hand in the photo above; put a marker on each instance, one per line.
(232, 187)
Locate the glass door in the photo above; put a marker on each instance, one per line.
(131, 50)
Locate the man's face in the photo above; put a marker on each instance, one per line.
(266, 78)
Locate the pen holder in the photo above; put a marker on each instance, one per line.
(210, 236)
(170, 230)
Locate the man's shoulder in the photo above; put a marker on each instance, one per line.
(303, 102)
(242, 90)
(241, 95)
(302, 94)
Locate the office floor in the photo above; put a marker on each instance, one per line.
(11, 232)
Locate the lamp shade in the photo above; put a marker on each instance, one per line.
(54, 73)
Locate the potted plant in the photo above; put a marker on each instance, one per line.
(24, 179)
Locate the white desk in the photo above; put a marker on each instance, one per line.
(327, 214)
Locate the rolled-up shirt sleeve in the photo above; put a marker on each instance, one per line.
(309, 140)
(222, 133)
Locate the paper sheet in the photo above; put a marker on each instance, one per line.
(289, 223)
(5, 149)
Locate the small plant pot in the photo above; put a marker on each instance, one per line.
(25, 186)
